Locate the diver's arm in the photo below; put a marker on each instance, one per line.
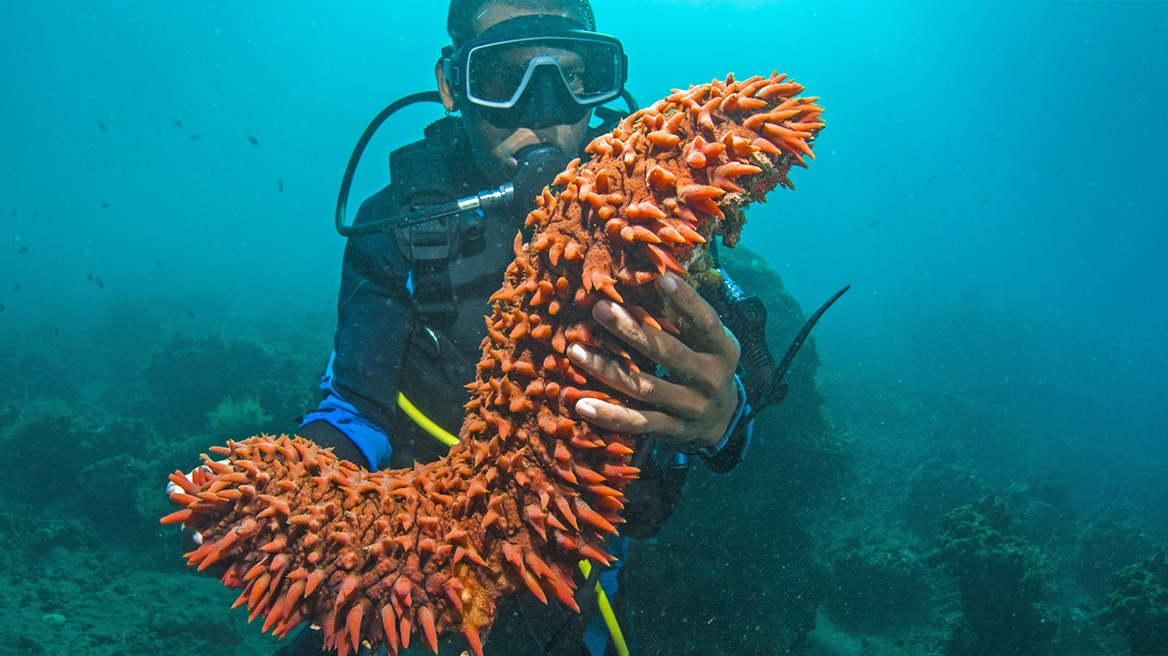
(361, 382)
(327, 436)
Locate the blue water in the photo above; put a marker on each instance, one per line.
(991, 181)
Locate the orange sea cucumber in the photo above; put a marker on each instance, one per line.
(386, 557)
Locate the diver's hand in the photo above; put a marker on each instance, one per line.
(695, 405)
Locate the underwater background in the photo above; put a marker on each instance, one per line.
(973, 458)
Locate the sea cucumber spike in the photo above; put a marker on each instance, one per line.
(664, 140)
(670, 234)
(275, 546)
(389, 628)
(259, 586)
(586, 513)
(275, 614)
(642, 314)
(592, 553)
(177, 516)
(471, 633)
(241, 599)
(618, 449)
(779, 89)
(426, 616)
(644, 211)
(712, 150)
(404, 627)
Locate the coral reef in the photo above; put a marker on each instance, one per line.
(878, 582)
(189, 378)
(1002, 579)
(1112, 539)
(101, 466)
(933, 487)
(72, 599)
(531, 488)
(1139, 605)
(237, 417)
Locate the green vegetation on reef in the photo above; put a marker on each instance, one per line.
(235, 418)
(1139, 605)
(1002, 579)
(189, 379)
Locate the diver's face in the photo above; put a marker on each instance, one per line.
(495, 147)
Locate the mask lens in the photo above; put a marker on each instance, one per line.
(499, 73)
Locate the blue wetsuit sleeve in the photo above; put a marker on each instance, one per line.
(374, 316)
(371, 440)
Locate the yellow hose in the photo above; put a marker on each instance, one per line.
(436, 431)
(606, 612)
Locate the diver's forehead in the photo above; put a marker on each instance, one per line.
(493, 13)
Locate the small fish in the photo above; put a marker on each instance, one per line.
(32, 217)
(159, 263)
(105, 204)
(23, 250)
(13, 212)
(102, 126)
(872, 224)
(194, 137)
(89, 277)
(177, 123)
(281, 183)
(57, 332)
(191, 314)
(16, 288)
(253, 140)
(1, 307)
(100, 284)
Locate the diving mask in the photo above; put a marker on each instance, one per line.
(538, 66)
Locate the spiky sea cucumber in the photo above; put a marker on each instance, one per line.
(377, 558)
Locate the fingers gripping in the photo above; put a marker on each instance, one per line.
(693, 403)
(706, 329)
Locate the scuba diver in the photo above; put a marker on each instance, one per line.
(424, 254)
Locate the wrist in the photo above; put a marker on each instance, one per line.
(705, 448)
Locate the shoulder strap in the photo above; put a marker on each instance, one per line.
(423, 174)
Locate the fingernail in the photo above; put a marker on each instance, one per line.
(577, 353)
(667, 283)
(585, 409)
(604, 311)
